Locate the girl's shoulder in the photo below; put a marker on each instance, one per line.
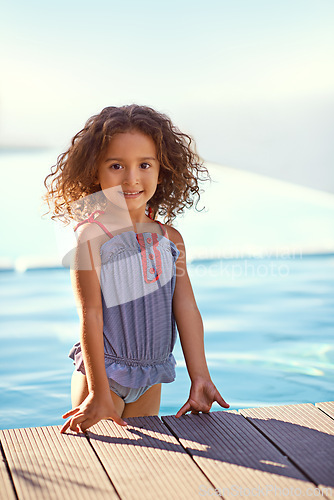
(173, 234)
(91, 232)
(86, 230)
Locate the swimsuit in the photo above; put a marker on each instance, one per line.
(138, 274)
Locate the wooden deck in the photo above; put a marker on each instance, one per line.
(271, 452)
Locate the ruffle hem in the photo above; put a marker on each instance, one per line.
(131, 373)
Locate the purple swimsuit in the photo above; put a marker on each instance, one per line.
(138, 274)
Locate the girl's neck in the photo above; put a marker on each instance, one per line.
(124, 218)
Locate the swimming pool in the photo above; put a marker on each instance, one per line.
(269, 337)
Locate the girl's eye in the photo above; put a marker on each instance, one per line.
(115, 166)
(146, 165)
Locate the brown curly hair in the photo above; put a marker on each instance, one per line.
(74, 176)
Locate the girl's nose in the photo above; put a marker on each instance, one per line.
(131, 176)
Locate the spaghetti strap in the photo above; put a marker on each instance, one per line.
(163, 229)
(91, 219)
(150, 214)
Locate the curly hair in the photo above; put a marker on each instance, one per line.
(74, 176)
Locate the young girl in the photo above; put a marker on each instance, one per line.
(129, 275)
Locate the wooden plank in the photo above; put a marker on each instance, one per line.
(218, 453)
(327, 407)
(47, 464)
(6, 487)
(145, 461)
(236, 458)
(304, 433)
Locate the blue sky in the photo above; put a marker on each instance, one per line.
(251, 81)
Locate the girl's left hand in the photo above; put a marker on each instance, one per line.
(203, 393)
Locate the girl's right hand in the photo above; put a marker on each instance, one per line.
(93, 409)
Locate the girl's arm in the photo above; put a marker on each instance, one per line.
(85, 271)
(190, 326)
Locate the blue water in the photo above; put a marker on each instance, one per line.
(269, 337)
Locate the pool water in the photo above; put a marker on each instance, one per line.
(269, 337)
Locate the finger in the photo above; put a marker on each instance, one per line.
(186, 407)
(75, 422)
(66, 426)
(221, 401)
(118, 420)
(82, 424)
(71, 412)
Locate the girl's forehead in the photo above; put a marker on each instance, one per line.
(130, 142)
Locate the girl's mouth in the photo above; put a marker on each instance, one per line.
(131, 194)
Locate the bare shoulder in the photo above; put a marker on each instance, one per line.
(174, 235)
(90, 238)
(91, 232)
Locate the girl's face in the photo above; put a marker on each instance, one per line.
(130, 166)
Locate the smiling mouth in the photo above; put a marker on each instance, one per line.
(131, 194)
